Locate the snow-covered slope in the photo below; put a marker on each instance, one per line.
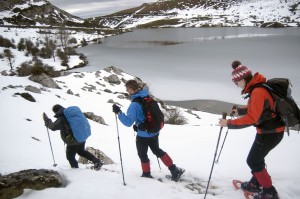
(207, 14)
(167, 13)
(36, 13)
(24, 144)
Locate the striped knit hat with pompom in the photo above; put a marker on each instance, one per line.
(240, 72)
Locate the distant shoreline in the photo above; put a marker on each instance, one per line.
(209, 106)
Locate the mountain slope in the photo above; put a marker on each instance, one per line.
(37, 13)
(195, 13)
(164, 13)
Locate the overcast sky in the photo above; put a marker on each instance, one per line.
(94, 8)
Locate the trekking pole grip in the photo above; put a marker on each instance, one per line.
(224, 114)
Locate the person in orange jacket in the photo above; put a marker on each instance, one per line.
(269, 129)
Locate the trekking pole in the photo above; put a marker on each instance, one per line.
(217, 161)
(158, 163)
(51, 147)
(287, 125)
(212, 167)
(120, 150)
(231, 115)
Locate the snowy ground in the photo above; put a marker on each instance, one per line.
(192, 147)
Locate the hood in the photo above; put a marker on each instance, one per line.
(60, 112)
(142, 93)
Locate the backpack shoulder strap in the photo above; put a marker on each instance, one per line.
(267, 88)
(66, 124)
(68, 130)
(138, 99)
(254, 87)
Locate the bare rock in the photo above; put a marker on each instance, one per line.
(99, 154)
(98, 74)
(32, 89)
(4, 73)
(114, 70)
(113, 79)
(13, 185)
(45, 80)
(26, 96)
(96, 118)
(70, 92)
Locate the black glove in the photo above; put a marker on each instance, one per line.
(46, 119)
(116, 109)
(135, 128)
(233, 110)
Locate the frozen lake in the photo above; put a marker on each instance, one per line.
(195, 63)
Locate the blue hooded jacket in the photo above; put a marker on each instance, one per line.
(135, 114)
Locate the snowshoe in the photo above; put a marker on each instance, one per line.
(250, 187)
(269, 193)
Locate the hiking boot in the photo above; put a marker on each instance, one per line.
(98, 164)
(146, 175)
(251, 186)
(176, 172)
(269, 193)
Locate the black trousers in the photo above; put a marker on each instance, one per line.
(262, 145)
(142, 145)
(80, 150)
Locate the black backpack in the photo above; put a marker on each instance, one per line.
(154, 118)
(285, 107)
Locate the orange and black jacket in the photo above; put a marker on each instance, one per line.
(258, 110)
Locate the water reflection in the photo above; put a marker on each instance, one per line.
(152, 43)
(231, 37)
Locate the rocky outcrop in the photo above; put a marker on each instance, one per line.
(13, 185)
(45, 80)
(32, 89)
(26, 96)
(96, 118)
(34, 13)
(99, 154)
(113, 79)
(113, 69)
(6, 5)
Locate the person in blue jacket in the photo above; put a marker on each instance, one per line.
(73, 147)
(144, 140)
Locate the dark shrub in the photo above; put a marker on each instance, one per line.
(174, 117)
(37, 70)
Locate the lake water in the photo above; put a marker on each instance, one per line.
(195, 63)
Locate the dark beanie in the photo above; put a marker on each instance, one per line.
(56, 108)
